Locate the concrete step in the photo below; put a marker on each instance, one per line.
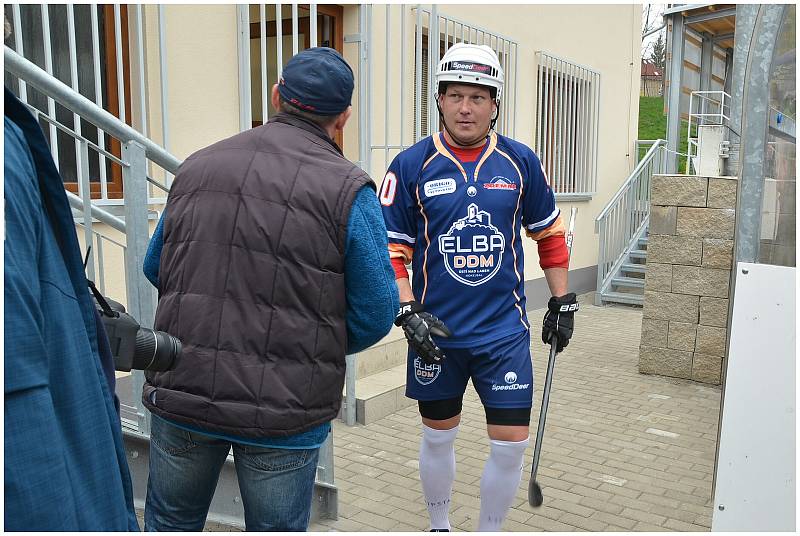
(381, 394)
(383, 355)
(381, 378)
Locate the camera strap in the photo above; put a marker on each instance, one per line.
(107, 310)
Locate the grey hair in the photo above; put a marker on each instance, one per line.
(322, 120)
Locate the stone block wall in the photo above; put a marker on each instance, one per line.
(687, 284)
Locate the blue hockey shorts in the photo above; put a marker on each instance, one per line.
(501, 372)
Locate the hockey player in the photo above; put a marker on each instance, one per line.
(455, 206)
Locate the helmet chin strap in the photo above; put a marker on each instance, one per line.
(468, 143)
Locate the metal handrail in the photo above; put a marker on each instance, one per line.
(701, 118)
(625, 218)
(74, 101)
(65, 129)
(638, 145)
(136, 150)
(38, 114)
(625, 185)
(97, 213)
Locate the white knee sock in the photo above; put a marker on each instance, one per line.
(500, 482)
(437, 471)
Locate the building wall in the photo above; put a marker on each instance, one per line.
(202, 74)
(581, 34)
(203, 84)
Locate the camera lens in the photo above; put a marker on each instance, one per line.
(155, 350)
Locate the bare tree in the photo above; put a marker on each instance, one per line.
(652, 21)
(652, 18)
(648, 8)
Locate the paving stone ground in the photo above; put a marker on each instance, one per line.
(622, 451)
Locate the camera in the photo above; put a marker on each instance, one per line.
(133, 346)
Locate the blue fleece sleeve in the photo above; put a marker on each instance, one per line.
(153, 256)
(372, 298)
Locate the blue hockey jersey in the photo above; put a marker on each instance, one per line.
(459, 224)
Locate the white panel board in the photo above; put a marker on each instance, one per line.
(709, 139)
(755, 473)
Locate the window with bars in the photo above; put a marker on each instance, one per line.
(566, 131)
(450, 32)
(268, 55)
(424, 92)
(41, 34)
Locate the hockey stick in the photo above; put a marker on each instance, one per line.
(534, 490)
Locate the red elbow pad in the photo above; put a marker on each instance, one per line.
(399, 266)
(553, 252)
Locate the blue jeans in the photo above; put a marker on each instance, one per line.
(276, 484)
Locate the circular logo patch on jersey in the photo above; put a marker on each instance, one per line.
(472, 191)
(473, 248)
(511, 377)
(425, 373)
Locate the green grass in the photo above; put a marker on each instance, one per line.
(653, 126)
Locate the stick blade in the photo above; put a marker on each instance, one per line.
(535, 498)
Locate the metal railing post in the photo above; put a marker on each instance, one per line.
(141, 302)
(363, 88)
(350, 390)
(601, 262)
(86, 195)
(326, 492)
(625, 216)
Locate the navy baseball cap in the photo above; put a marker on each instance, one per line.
(317, 80)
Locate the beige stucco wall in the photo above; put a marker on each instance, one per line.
(350, 53)
(202, 75)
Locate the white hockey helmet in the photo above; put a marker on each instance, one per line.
(464, 63)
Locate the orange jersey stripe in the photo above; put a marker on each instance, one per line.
(400, 251)
(513, 226)
(444, 152)
(492, 145)
(427, 246)
(556, 229)
(428, 161)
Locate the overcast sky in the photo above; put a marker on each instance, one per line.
(656, 20)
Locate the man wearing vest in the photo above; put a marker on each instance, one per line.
(271, 264)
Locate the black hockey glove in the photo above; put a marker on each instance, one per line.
(558, 320)
(418, 327)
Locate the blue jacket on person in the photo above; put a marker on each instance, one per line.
(65, 466)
